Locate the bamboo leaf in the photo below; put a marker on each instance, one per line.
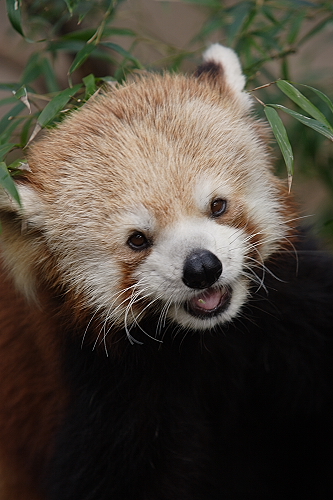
(7, 182)
(6, 119)
(89, 82)
(49, 75)
(127, 55)
(19, 165)
(81, 57)
(7, 134)
(56, 105)
(4, 149)
(295, 95)
(71, 4)
(239, 15)
(8, 100)
(33, 69)
(86, 34)
(320, 94)
(14, 15)
(9, 86)
(281, 136)
(52, 109)
(309, 122)
(295, 26)
(25, 132)
(22, 95)
(67, 45)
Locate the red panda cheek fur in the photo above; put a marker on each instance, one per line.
(118, 379)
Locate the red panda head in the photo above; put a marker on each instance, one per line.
(154, 198)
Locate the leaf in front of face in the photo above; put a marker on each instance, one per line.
(7, 182)
(54, 107)
(90, 84)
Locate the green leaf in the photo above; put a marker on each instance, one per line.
(9, 86)
(14, 15)
(207, 3)
(127, 55)
(281, 136)
(56, 105)
(320, 94)
(8, 100)
(7, 182)
(53, 108)
(32, 70)
(81, 57)
(22, 95)
(21, 92)
(71, 4)
(25, 132)
(18, 166)
(49, 76)
(67, 45)
(295, 95)
(309, 122)
(86, 34)
(91, 87)
(239, 15)
(295, 26)
(4, 149)
(7, 134)
(6, 120)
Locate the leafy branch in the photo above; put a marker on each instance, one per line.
(317, 120)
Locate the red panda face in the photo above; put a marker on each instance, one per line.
(156, 198)
(194, 272)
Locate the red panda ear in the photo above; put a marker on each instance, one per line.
(221, 67)
(22, 245)
(31, 207)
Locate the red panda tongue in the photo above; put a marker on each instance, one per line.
(208, 300)
(209, 303)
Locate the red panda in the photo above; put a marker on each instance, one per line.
(165, 331)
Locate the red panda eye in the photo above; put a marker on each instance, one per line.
(138, 241)
(218, 207)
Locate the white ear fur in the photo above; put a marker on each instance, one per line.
(232, 70)
(31, 208)
(19, 248)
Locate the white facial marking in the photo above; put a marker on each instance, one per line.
(161, 272)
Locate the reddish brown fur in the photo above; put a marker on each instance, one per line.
(29, 409)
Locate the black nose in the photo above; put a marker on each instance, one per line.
(201, 269)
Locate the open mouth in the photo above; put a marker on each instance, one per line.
(211, 302)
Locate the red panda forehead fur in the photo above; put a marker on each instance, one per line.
(150, 143)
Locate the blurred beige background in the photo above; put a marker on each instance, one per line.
(160, 23)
